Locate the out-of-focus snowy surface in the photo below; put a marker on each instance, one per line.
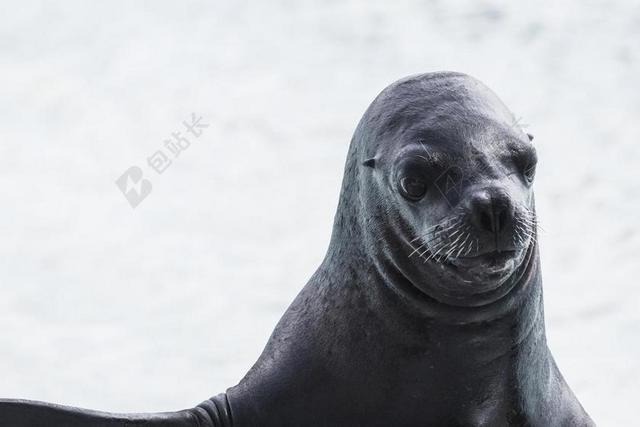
(157, 308)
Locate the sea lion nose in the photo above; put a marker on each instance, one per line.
(491, 210)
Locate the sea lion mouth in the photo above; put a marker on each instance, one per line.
(489, 266)
(493, 266)
(491, 260)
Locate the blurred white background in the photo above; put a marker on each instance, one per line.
(160, 307)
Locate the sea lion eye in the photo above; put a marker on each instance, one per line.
(413, 187)
(530, 173)
(526, 162)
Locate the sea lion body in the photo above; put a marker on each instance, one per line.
(427, 309)
(367, 342)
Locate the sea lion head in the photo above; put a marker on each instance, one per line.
(445, 178)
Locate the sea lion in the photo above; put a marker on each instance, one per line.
(427, 309)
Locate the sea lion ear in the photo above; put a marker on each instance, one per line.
(530, 137)
(371, 163)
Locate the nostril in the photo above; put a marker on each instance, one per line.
(501, 220)
(491, 212)
(486, 220)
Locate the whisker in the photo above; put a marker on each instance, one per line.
(435, 254)
(470, 247)
(454, 246)
(428, 230)
(463, 244)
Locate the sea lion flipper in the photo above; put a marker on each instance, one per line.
(25, 413)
